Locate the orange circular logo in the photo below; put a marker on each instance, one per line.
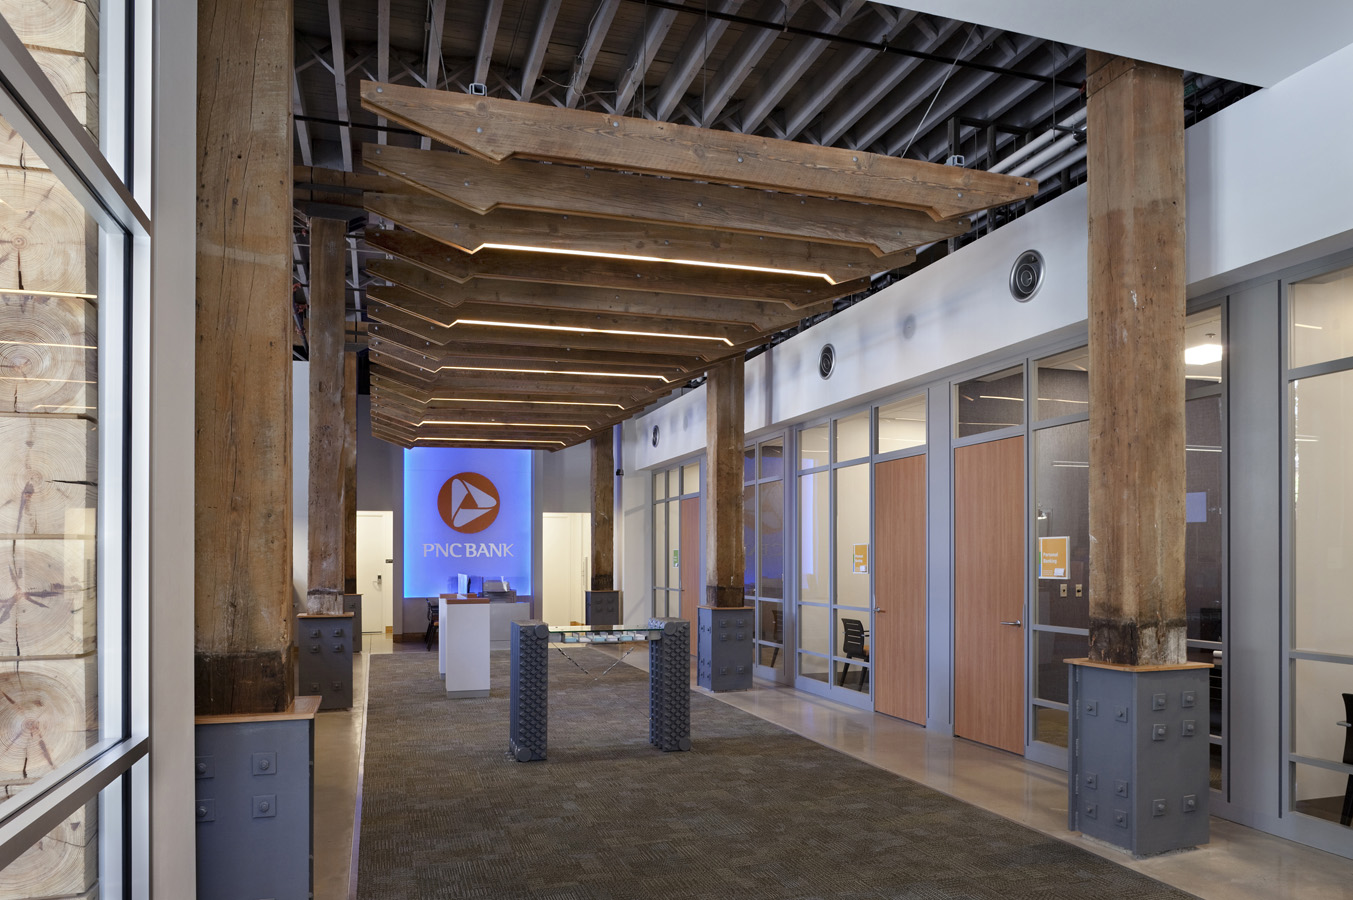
(468, 502)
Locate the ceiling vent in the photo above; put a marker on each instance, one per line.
(826, 361)
(1026, 275)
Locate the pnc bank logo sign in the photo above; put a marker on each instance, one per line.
(468, 502)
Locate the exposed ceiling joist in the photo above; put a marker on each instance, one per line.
(690, 62)
(597, 28)
(540, 42)
(493, 12)
(340, 71)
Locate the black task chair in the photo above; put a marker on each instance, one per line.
(854, 647)
(1347, 815)
(433, 633)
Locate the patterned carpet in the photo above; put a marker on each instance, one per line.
(753, 811)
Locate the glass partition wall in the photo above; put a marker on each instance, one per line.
(1318, 676)
(671, 487)
(763, 517)
(834, 612)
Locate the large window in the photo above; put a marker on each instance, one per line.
(68, 285)
(675, 549)
(1319, 439)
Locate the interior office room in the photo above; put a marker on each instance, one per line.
(927, 360)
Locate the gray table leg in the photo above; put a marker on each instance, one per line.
(669, 685)
(530, 690)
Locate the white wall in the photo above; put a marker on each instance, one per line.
(565, 482)
(957, 310)
(1269, 178)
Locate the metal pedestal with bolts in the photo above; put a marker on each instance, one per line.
(1139, 761)
(254, 804)
(325, 643)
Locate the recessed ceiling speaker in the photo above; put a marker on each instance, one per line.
(655, 435)
(1026, 275)
(826, 361)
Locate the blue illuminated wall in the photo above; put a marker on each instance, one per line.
(434, 551)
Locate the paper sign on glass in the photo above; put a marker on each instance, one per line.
(1053, 554)
(860, 559)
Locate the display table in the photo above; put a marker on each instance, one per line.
(669, 689)
(463, 644)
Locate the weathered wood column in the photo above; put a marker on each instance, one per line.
(603, 600)
(1138, 775)
(1136, 297)
(243, 477)
(724, 644)
(328, 428)
(724, 553)
(603, 513)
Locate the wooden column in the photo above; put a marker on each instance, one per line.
(349, 470)
(603, 512)
(243, 403)
(724, 552)
(1136, 298)
(328, 428)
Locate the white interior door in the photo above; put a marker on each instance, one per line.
(566, 566)
(375, 568)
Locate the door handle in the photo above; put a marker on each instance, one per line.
(878, 609)
(1016, 623)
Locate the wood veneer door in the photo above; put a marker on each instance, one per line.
(689, 561)
(989, 592)
(899, 639)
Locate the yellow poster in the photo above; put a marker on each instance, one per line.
(860, 559)
(1052, 557)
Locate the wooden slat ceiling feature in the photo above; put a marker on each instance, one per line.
(536, 295)
(597, 292)
(497, 130)
(664, 278)
(640, 244)
(482, 187)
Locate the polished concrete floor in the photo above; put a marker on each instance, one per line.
(1238, 864)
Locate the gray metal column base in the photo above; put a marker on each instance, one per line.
(725, 653)
(325, 665)
(353, 603)
(253, 803)
(529, 693)
(603, 608)
(669, 685)
(1139, 761)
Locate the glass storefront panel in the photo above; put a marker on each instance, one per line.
(1064, 384)
(674, 560)
(813, 446)
(1213, 658)
(1204, 469)
(1050, 725)
(1319, 707)
(771, 551)
(773, 458)
(673, 482)
(1321, 319)
(902, 425)
(814, 625)
(1062, 510)
(1322, 508)
(852, 436)
(690, 478)
(660, 486)
(814, 667)
(851, 674)
(1051, 651)
(990, 403)
(852, 536)
(1203, 350)
(749, 540)
(771, 635)
(1318, 792)
(814, 538)
(660, 545)
(749, 464)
